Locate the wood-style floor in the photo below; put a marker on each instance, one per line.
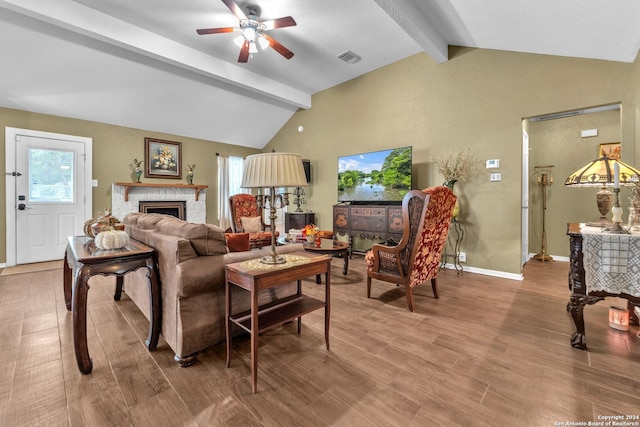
(489, 352)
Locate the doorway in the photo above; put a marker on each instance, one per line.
(557, 142)
(48, 193)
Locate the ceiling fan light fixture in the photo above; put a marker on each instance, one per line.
(239, 41)
(253, 31)
(249, 33)
(263, 42)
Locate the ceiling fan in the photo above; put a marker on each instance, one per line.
(253, 31)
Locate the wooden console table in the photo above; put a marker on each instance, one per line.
(601, 265)
(81, 261)
(254, 276)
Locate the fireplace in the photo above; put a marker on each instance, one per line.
(126, 197)
(175, 208)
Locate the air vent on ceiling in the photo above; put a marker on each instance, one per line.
(350, 57)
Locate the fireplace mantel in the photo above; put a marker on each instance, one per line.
(128, 185)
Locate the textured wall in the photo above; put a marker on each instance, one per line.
(477, 99)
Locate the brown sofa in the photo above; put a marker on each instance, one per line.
(191, 259)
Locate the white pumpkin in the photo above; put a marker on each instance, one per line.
(112, 239)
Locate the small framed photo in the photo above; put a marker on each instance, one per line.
(610, 149)
(163, 159)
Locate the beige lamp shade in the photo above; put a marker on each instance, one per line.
(599, 172)
(273, 170)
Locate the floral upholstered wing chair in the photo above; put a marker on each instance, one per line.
(247, 218)
(416, 259)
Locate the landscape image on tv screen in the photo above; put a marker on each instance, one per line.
(379, 177)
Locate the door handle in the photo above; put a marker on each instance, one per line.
(22, 207)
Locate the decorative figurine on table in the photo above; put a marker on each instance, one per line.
(190, 173)
(137, 169)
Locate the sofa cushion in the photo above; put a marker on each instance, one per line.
(237, 242)
(251, 224)
(206, 239)
(143, 220)
(150, 221)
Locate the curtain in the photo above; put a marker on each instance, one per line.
(229, 180)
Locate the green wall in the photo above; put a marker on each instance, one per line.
(477, 99)
(114, 148)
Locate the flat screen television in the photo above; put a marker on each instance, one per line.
(380, 177)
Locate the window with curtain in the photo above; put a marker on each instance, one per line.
(229, 180)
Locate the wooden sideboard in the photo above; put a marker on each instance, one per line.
(368, 221)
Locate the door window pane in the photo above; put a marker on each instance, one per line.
(51, 176)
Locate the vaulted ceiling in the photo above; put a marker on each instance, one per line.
(141, 64)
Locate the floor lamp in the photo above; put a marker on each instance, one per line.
(271, 171)
(544, 180)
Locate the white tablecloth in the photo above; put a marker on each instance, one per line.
(611, 261)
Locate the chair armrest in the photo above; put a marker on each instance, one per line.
(391, 253)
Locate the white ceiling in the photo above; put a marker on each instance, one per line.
(140, 63)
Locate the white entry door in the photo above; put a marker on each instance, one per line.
(50, 203)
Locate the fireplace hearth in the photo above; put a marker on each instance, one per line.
(174, 208)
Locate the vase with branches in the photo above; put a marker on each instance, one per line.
(458, 166)
(455, 167)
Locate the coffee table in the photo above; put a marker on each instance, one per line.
(339, 248)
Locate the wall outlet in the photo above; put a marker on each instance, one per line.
(462, 257)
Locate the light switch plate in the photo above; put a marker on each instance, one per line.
(495, 177)
(493, 164)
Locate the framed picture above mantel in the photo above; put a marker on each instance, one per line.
(163, 159)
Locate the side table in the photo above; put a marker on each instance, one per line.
(81, 261)
(458, 235)
(339, 248)
(253, 276)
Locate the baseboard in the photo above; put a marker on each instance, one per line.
(555, 257)
(503, 274)
(485, 272)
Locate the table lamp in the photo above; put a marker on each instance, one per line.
(271, 171)
(600, 173)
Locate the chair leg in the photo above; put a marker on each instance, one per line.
(434, 286)
(368, 287)
(409, 297)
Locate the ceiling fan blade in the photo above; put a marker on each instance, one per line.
(278, 47)
(244, 52)
(235, 9)
(216, 30)
(287, 21)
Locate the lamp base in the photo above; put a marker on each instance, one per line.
(616, 228)
(278, 259)
(543, 257)
(602, 222)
